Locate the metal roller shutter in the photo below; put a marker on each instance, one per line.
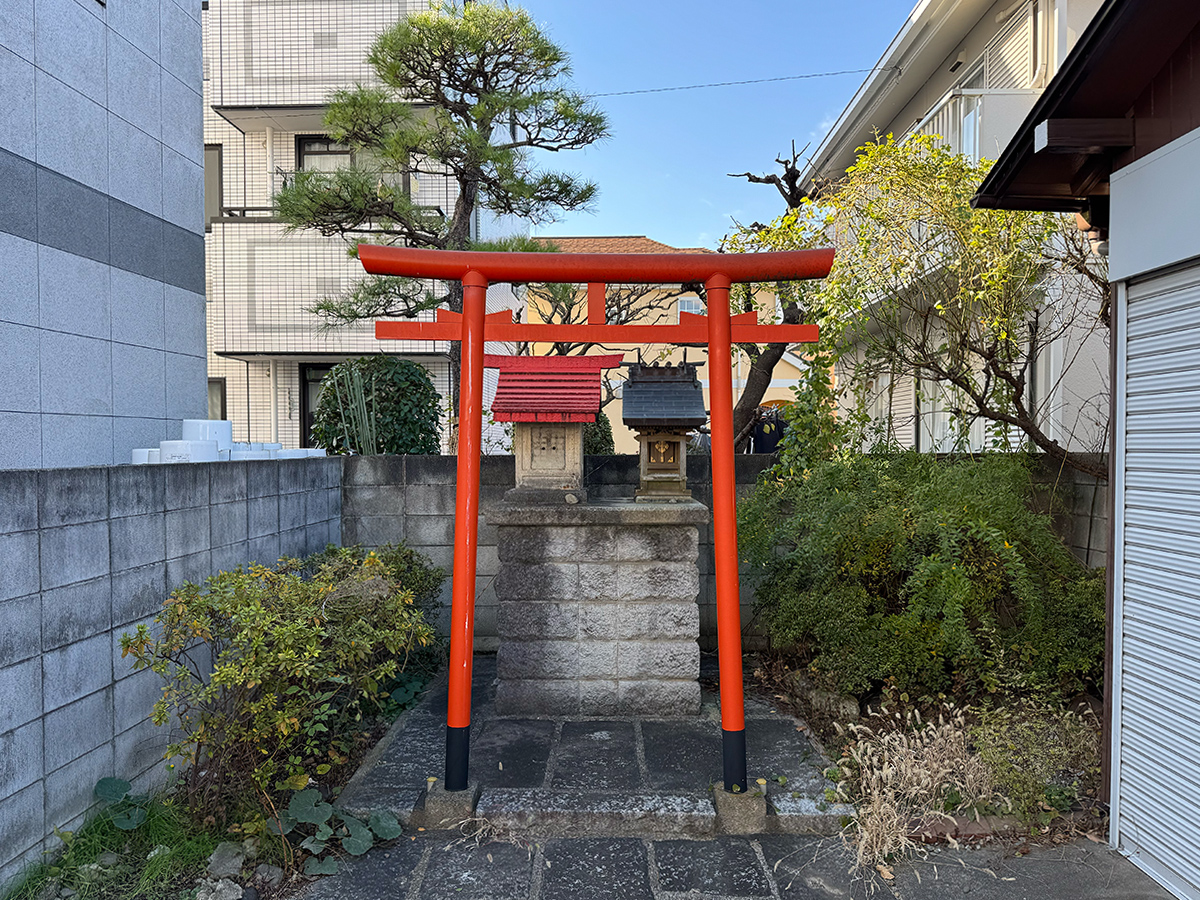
(1156, 786)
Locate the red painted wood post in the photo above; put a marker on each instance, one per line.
(725, 553)
(466, 532)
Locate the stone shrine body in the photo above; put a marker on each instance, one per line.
(597, 601)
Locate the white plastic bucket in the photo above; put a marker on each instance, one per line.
(219, 430)
(188, 451)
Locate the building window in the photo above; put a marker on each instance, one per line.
(213, 189)
(689, 304)
(216, 398)
(317, 153)
(310, 391)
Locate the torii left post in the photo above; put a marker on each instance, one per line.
(718, 330)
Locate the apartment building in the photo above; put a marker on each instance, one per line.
(101, 248)
(269, 67)
(970, 71)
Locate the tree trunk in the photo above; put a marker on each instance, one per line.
(757, 382)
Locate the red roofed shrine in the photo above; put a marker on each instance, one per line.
(548, 388)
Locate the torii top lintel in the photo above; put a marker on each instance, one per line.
(577, 268)
(597, 269)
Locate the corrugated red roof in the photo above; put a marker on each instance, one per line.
(548, 388)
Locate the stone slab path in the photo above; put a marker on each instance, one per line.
(620, 808)
(598, 776)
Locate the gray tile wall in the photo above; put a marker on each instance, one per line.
(87, 554)
(101, 228)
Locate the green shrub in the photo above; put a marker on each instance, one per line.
(377, 404)
(930, 575)
(298, 655)
(598, 437)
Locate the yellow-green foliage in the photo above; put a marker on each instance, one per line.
(1038, 755)
(935, 575)
(267, 670)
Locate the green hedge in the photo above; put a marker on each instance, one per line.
(932, 576)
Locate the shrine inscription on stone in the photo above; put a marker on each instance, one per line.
(549, 448)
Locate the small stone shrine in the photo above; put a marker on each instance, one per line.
(597, 609)
(663, 403)
(548, 399)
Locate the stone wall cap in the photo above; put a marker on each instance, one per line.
(605, 512)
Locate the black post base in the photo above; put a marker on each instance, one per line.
(458, 751)
(733, 760)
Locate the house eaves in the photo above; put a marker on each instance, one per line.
(933, 32)
(1125, 46)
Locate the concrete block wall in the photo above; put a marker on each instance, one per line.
(388, 499)
(411, 498)
(87, 554)
(1079, 504)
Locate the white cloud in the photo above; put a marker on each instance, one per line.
(823, 127)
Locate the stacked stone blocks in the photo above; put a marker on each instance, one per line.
(597, 610)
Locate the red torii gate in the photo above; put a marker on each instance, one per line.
(719, 330)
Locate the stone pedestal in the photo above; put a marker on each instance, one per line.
(597, 608)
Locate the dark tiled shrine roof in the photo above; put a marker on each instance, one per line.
(548, 388)
(669, 396)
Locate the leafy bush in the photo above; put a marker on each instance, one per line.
(934, 576)
(268, 670)
(377, 404)
(598, 437)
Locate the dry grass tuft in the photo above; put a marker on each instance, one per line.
(904, 774)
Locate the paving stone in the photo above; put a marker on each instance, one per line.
(596, 756)
(775, 748)
(596, 868)
(496, 871)
(682, 755)
(725, 866)
(385, 872)
(544, 812)
(512, 753)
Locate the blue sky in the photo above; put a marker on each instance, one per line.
(663, 171)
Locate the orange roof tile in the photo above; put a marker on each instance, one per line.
(628, 243)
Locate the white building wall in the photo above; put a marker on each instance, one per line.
(101, 254)
(269, 67)
(1006, 65)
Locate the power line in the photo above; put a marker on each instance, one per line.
(694, 87)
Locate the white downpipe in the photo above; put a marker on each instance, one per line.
(1061, 34)
(274, 402)
(1117, 555)
(270, 171)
